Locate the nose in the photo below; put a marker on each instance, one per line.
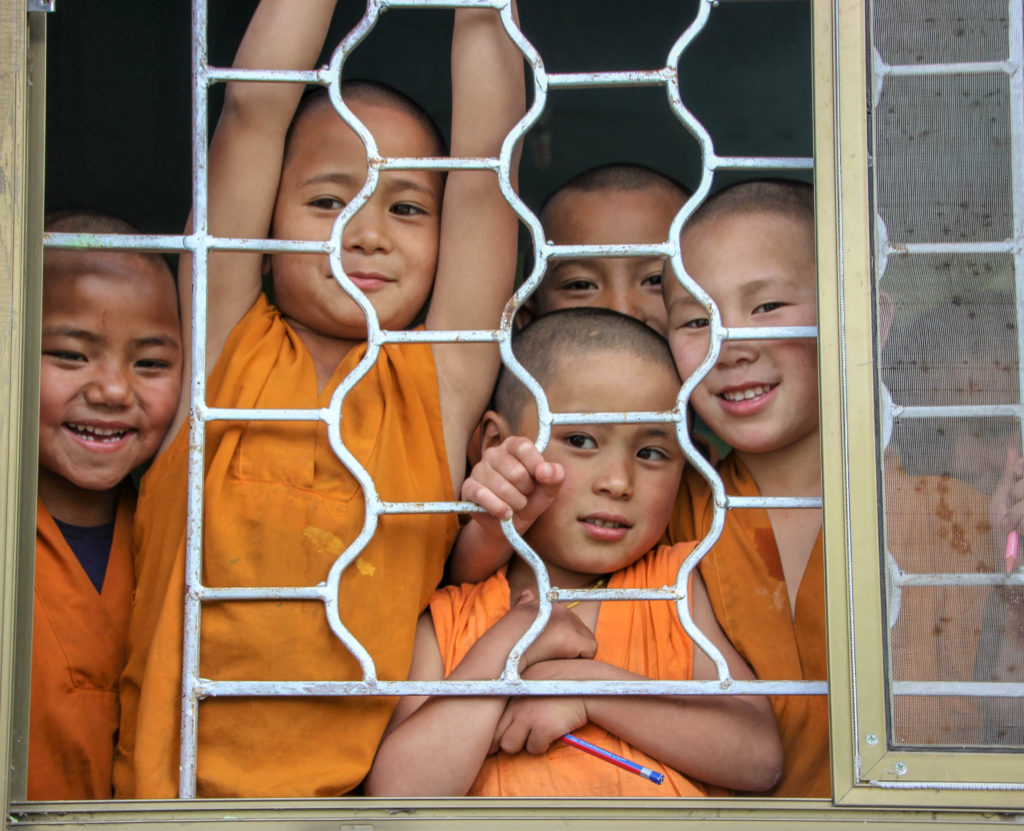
(737, 353)
(614, 477)
(365, 232)
(625, 301)
(110, 387)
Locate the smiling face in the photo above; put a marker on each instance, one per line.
(620, 479)
(630, 285)
(759, 268)
(110, 374)
(389, 246)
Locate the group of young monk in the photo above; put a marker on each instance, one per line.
(603, 504)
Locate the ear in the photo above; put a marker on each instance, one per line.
(526, 314)
(493, 430)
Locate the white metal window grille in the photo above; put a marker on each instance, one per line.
(200, 243)
(948, 125)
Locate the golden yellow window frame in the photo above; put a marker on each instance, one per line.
(851, 513)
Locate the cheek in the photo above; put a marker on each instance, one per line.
(54, 393)
(160, 402)
(687, 353)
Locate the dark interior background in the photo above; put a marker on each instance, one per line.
(119, 101)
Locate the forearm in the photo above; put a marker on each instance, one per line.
(488, 94)
(731, 741)
(477, 554)
(277, 38)
(439, 748)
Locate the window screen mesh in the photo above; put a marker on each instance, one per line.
(948, 165)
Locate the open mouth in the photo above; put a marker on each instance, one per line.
(604, 523)
(749, 393)
(108, 435)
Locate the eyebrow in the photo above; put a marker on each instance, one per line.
(659, 432)
(92, 337)
(351, 180)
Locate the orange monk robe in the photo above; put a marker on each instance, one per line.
(644, 637)
(78, 653)
(280, 509)
(936, 525)
(743, 573)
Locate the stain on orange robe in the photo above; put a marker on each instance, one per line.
(280, 509)
(743, 573)
(78, 653)
(644, 637)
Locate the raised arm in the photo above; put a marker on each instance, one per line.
(725, 740)
(245, 161)
(477, 256)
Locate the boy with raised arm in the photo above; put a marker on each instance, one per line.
(617, 487)
(280, 506)
(109, 382)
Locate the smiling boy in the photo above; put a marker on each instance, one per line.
(280, 506)
(751, 248)
(616, 492)
(617, 204)
(108, 386)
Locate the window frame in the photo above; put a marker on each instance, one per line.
(851, 512)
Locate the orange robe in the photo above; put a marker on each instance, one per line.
(936, 524)
(743, 573)
(78, 653)
(280, 509)
(644, 637)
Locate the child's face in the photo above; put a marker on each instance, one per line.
(111, 365)
(759, 268)
(630, 285)
(389, 246)
(620, 479)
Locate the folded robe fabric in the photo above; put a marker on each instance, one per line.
(78, 653)
(280, 509)
(644, 637)
(743, 573)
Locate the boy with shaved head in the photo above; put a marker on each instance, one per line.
(615, 488)
(108, 387)
(616, 204)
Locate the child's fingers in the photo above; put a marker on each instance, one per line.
(473, 491)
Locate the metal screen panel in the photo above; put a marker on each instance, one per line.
(948, 131)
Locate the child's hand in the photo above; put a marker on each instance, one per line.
(512, 480)
(1006, 508)
(565, 636)
(534, 723)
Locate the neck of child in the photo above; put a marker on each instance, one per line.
(326, 351)
(521, 577)
(74, 505)
(793, 470)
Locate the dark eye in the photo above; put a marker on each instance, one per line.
(407, 209)
(579, 284)
(581, 441)
(327, 203)
(768, 307)
(653, 454)
(152, 364)
(65, 355)
(696, 323)
(652, 280)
